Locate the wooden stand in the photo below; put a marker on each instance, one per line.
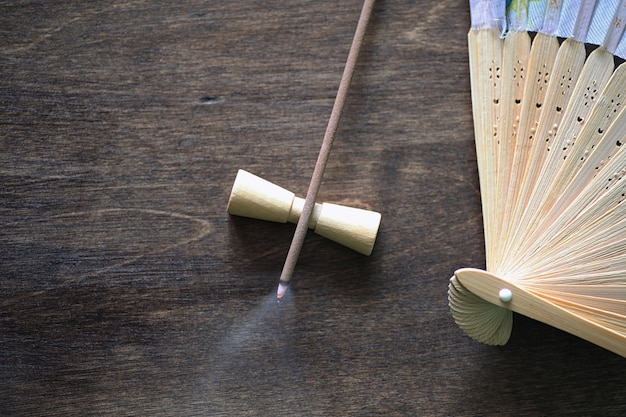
(257, 198)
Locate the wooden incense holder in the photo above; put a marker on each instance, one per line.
(257, 198)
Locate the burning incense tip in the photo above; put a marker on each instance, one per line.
(282, 289)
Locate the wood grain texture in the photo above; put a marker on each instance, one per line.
(126, 288)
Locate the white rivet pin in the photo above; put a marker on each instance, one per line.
(505, 295)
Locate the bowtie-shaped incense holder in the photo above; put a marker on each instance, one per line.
(257, 198)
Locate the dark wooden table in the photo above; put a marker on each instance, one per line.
(126, 288)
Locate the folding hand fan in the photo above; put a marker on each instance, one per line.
(549, 128)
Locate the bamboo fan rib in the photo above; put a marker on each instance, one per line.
(550, 131)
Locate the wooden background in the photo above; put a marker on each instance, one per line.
(126, 288)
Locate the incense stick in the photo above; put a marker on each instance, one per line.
(322, 159)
